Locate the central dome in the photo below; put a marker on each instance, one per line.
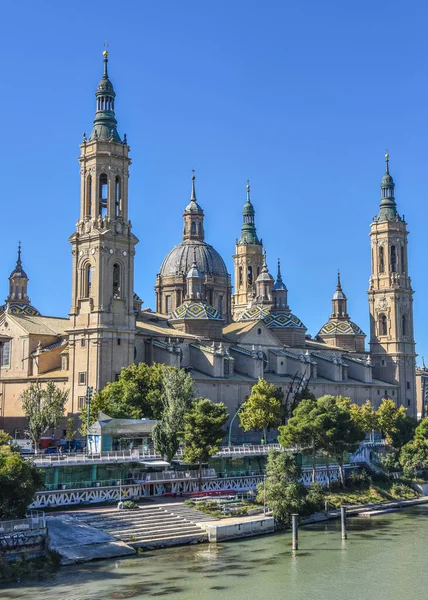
(180, 259)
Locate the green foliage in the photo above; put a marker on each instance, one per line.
(203, 431)
(70, 432)
(404, 430)
(262, 409)
(137, 394)
(387, 416)
(177, 399)
(401, 490)
(43, 407)
(285, 493)
(19, 481)
(316, 498)
(421, 431)
(414, 457)
(292, 400)
(5, 438)
(389, 462)
(364, 416)
(129, 505)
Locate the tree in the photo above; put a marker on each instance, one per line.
(294, 396)
(70, 432)
(136, 394)
(285, 493)
(305, 430)
(405, 427)
(364, 416)
(5, 438)
(178, 395)
(421, 431)
(203, 431)
(262, 409)
(414, 457)
(43, 407)
(341, 432)
(19, 481)
(387, 416)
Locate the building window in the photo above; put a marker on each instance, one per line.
(82, 378)
(226, 367)
(393, 255)
(168, 305)
(403, 325)
(259, 331)
(193, 228)
(408, 401)
(83, 342)
(381, 260)
(403, 265)
(87, 282)
(64, 363)
(5, 354)
(240, 276)
(383, 325)
(88, 196)
(81, 402)
(220, 304)
(250, 275)
(103, 198)
(118, 341)
(382, 362)
(408, 385)
(118, 198)
(116, 281)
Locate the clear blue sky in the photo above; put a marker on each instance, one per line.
(302, 98)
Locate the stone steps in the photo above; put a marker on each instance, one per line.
(128, 536)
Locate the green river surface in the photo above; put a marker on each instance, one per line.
(384, 558)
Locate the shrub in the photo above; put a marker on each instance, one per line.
(316, 497)
(359, 480)
(401, 490)
(129, 505)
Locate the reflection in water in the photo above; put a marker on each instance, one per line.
(383, 558)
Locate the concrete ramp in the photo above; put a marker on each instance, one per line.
(78, 542)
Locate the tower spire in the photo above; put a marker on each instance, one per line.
(193, 194)
(19, 262)
(388, 207)
(339, 302)
(105, 124)
(248, 232)
(193, 215)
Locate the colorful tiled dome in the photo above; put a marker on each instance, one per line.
(272, 320)
(340, 328)
(196, 310)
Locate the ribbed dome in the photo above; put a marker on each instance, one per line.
(340, 328)
(180, 260)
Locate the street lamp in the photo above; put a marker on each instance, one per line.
(89, 392)
(231, 423)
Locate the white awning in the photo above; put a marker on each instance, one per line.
(155, 463)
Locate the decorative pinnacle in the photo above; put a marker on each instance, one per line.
(105, 54)
(387, 161)
(339, 286)
(279, 269)
(18, 262)
(193, 196)
(248, 190)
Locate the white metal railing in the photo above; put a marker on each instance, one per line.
(248, 449)
(34, 520)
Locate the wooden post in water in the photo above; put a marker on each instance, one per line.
(343, 522)
(295, 532)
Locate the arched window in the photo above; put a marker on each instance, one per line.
(393, 254)
(193, 227)
(116, 281)
(250, 275)
(404, 325)
(201, 228)
(103, 198)
(403, 263)
(383, 325)
(118, 198)
(240, 276)
(88, 196)
(381, 260)
(87, 281)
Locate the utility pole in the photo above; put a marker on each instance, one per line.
(89, 392)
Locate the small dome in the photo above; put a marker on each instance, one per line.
(18, 271)
(264, 276)
(339, 295)
(276, 320)
(17, 308)
(193, 207)
(196, 310)
(180, 259)
(340, 328)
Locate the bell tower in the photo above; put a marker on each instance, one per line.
(248, 259)
(392, 343)
(102, 318)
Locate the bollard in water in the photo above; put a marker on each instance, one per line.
(326, 506)
(343, 521)
(295, 532)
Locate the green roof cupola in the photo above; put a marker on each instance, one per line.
(388, 207)
(248, 232)
(105, 124)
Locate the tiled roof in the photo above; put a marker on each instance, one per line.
(42, 325)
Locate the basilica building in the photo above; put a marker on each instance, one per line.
(225, 336)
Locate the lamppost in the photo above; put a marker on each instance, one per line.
(89, 392)
(231, 423)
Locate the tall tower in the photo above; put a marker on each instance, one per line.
(392, 343)
(248, 259)
(102, 318)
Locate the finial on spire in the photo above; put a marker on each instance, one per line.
(423, 364)
(387, 161)
(279, 269)
(339, 285)
(193, 196)
(105, 54)
(19, 253)
(248, 190)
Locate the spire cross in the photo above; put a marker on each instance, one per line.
(387, 160)
(193, 196)
(279, 269)
(105, 54)
(19, 252)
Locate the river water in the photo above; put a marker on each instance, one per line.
(384, 558)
